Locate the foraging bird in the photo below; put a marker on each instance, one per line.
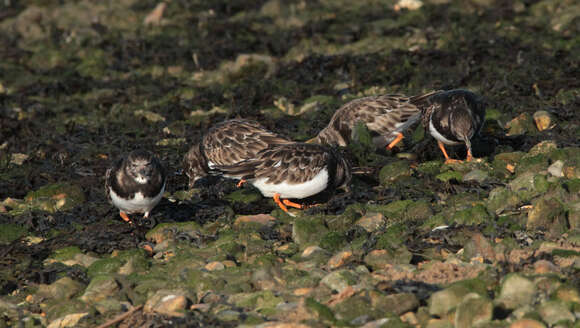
(228, 143)
(387, 116)
(135, 183)
(454, 117)
(293, 171)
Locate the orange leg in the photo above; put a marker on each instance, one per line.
(292, 204)
(447, 159)
(125, 217)
(280, 204)
(241, 183)
(396, 141)
(469, 155)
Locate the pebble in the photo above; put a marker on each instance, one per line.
(555, 311)
(527, 323)
(167, 302)
(543, 120)
(371, 221)
(340, 259)
(215, 266)
(516, 291)
(70, 320)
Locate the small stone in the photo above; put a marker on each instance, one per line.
(260, 219)
(70, 320)
(149, 116)
(542, 147)
(516, 291)
(543, 120)
(409, 318)
(477, 246)
(377, 323)
(557, 169)
(340, 259)
(229, 263)
(371, 221)
(476, 175)
(381, 258)
(215, 266)
(527, 323)
(521, 124)
(396, 303)
(545, 215)
(473, 310)
(64, 288)
(394, 171)
(312, 251)
(18, 159)
(553, 312)
(302, 291)
(339, 280)
(443, 301)
(171, 303)
(100, 288)
(408, 4)
(544, 266)
(228, 315)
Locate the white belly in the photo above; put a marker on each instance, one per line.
(299, 191)
(439, 136)
(138, 204)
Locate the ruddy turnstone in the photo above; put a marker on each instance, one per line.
(228, 143)
(135, 183)
(454, 117)
(387, 116)
(294, 171)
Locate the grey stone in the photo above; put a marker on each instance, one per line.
(168, 302)
(339, 280)
(100, 288)
(553, 312)
(444, 301)
(557, 168)
(371, 221)
(473, 309)
(64, 288)
(476, 175)
(516, 291)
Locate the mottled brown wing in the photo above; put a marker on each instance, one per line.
(291, 163)
(236, 140)
(382, 114)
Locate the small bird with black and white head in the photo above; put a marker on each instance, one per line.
(135, 183)
(454, 117)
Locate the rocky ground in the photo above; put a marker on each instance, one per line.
(491, 243)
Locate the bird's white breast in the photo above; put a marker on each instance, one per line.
(439, 136)
(300, 190)
(138, 204)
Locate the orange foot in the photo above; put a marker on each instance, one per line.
(283, 203)
(447, 159)
(241, 183)
(395, 142)
(125, 217)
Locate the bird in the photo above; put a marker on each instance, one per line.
(293, 171)
(386, 116)
(135, 183)
(227, 143)
(454, 117)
